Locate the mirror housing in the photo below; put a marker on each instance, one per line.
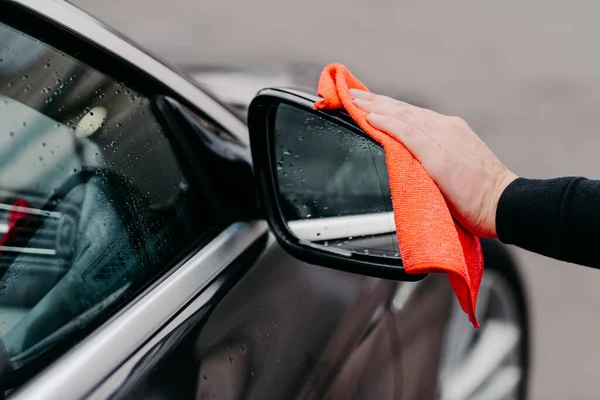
(339, 217)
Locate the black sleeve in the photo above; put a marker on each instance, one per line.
(559, 218)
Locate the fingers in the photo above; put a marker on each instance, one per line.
(419, 144)
(382, 108)
(369, 96)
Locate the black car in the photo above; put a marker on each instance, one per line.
(152, 247)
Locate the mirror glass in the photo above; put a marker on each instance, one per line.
(332, 185)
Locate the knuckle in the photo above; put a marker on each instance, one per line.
(457, 122)
(410, 130)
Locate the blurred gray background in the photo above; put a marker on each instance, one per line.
(524, 74)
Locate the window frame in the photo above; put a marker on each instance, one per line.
(18, 16)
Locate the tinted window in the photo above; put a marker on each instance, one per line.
(93, 201)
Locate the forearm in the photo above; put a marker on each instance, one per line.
(559, 218)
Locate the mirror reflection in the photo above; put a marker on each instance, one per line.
(332, 183)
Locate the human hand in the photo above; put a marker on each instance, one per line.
(469, 175)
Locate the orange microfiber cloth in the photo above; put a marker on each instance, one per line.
(430, 239)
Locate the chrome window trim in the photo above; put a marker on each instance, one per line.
(108, 388)
(93, 30)
(79, 371)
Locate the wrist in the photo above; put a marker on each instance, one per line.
(504, 179)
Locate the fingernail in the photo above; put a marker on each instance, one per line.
(374, 117)
(356, 92)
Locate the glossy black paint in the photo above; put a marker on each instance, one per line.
(261, 139)
(289, 330)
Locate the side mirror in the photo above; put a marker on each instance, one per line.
(323, 185)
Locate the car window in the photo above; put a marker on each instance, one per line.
(94, 203)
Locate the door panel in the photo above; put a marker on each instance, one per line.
(291, 330)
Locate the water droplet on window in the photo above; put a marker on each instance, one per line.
(231, 359)
(11, 133)
(61, 108)
(24, 124)
(287, 153)
(48, 100)
(44, 144)
(204, 376)
(113, 143)
(326, 244)
(9, 84)
(24, 77)
(118, 125)
(47, 65)
(58, 81)
(27, 89)
(301, 138)
(300, 170)
(308, 215)
(41, 159)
